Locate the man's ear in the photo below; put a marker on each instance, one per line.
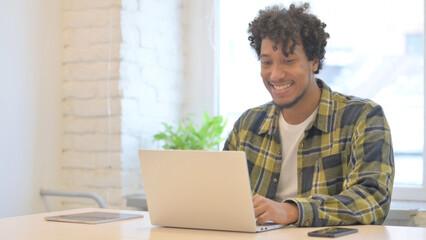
(315, 64)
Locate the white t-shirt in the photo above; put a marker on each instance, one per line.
(291, 135)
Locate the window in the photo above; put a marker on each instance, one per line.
(376, 51)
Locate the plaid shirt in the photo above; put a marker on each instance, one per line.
(345, 164)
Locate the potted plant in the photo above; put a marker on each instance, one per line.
(188, 136)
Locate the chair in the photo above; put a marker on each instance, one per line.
(74, 194)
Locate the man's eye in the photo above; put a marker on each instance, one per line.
(289, 61)
(266, 62)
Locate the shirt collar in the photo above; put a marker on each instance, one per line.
(323, 117)
(270, 122)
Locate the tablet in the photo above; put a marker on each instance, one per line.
(92, 217)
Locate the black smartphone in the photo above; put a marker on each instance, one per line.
(332, 232)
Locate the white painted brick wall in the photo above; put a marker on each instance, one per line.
(92, 4)
(92, 17)
(92, 142)
(106, 125)
(92, 36)
(91, 160)
(92, 107)
(96, 71)
(92, 100)
(152, 76)
(91, 90)
(98, 52)
(92, 178)
(123, 74)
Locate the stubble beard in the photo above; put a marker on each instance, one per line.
(294, 102)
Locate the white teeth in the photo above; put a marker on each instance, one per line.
(279, 88)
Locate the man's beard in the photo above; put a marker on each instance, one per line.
(294, 102)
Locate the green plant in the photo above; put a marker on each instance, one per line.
(189, 137)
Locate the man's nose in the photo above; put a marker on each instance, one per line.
(278, 72)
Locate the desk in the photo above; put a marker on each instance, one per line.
(35, 227)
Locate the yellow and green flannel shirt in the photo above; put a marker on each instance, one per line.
(345, 162)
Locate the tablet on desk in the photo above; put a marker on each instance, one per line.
(92, 217)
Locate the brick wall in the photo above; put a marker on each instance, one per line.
(122, 76)
(152, 77)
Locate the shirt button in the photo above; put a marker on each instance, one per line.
(275, 180)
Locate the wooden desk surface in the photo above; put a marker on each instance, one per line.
(35, 227)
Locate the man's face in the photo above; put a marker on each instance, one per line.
(286, 78)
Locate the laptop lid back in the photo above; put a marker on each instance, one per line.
(198, 189)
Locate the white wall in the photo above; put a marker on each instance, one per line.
(30, 118)
(35, 88)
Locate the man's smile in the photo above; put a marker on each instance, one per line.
(281, 87)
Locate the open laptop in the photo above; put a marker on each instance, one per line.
(199, 189)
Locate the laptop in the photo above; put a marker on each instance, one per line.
(199, 189)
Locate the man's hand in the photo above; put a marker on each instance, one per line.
(268, 210)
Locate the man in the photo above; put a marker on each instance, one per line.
(315, 157)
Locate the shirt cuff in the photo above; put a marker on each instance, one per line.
(306, 210)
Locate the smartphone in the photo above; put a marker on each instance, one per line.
(332, 232)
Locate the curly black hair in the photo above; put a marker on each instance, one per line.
(294, 25)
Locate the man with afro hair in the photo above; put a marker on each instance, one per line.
(315, 157)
